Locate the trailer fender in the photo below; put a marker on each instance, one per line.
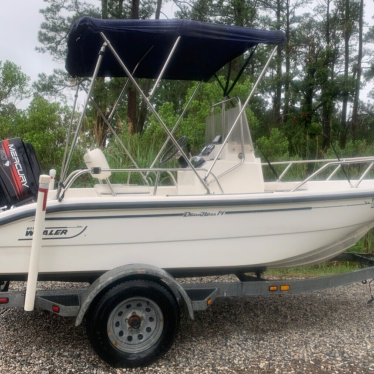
(126, 271)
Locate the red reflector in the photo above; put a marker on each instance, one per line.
(56, 309)
(4, 300)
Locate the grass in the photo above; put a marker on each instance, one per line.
(324, 269)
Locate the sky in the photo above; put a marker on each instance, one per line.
(19, 25)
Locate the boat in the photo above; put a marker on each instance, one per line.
(216, 215)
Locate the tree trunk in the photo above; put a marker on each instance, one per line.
(347, 34)
(100, 129)
(328, 106)
(326, 124)
(143, 108)
(358, 78)
(131, 92)
(120, 9)
(104, 9)
(158, 9)
(131, 110)
(134, 9)
(288, 65)
(278, 91)
(147, 85)
(310, 85)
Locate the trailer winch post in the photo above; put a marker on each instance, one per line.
(41, 207)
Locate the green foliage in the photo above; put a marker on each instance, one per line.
(323, 269)
(48, 119)
(44, 125)
(52, 86)
(275, 147)
(13, 85)
(353, 148)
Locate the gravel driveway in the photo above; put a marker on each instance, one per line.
(329, 331)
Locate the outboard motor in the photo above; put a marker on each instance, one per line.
(19, 173)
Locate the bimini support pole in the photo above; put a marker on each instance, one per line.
(240, 113)
(175, 126)
(37, 237)
(164, 68)
(64, 169)
(153, 110)
(96, 71)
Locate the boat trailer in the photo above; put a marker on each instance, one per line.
(138, 286)
(196, 296)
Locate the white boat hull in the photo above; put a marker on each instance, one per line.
(186, 235)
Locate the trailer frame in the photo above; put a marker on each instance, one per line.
(195, 296)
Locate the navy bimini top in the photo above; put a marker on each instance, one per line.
(202, 50)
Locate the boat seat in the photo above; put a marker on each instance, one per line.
(284, 186)
(96, 159)
(121, 189)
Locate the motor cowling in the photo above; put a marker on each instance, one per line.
(19, 172)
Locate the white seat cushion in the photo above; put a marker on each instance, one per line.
(96, 159)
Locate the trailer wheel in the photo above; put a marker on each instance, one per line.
(133, 324)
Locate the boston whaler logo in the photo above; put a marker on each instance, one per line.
(48, 232)
(204, 214)
(56, 232)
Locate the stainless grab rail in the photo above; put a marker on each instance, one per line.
(349, 160)
(78, 173)
(339, 163)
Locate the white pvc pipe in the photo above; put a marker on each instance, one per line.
(41, 206)
(52, 174)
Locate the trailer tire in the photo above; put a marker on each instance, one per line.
(133, 324)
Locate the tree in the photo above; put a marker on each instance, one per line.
(290, 19)
(59, 15)
(14, 86)
(307, 92)
(328, 86)
(347, 10)
(358, 70)
(44, 125)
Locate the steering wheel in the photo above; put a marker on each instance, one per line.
(173, 150)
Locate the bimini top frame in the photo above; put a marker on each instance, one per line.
(169, 49)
